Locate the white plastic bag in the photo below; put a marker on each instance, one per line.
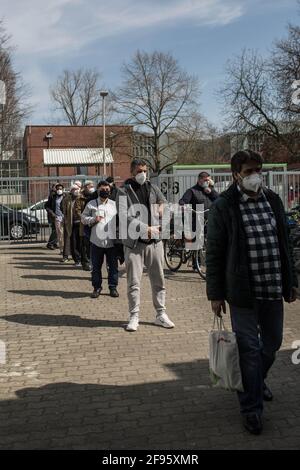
(224, 362)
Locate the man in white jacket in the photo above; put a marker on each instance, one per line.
(100, 214)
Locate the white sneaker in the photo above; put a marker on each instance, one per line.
(164, 320)
(133, 323)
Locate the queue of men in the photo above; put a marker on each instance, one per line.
(248, 246)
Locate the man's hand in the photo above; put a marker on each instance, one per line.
(98, 218)
(218, 306)
(153, 230)
(293, 295)
(207, 190)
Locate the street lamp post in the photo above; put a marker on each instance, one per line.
(2, 104)
(103, 94)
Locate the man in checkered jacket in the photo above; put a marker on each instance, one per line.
(250, 265)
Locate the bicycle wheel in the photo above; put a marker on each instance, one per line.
(200, 261)
(173, 256)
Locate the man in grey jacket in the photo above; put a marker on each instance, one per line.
(139, 202)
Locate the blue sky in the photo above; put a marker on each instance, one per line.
(202, 34)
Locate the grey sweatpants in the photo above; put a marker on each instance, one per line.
(152, 256)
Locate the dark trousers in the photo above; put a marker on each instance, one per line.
(85, 251)
(53, 236)
(97, 258)
(72, 244)
(259, 335)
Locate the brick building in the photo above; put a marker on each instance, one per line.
(77, 150)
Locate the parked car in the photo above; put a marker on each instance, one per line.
(16, 225)
(38, 210)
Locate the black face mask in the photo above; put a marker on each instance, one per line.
(104, 194)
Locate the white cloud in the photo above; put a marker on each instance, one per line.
(64, 26)
(38, 83)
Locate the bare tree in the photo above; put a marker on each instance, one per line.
(76, 96)
(257, 94)
(248, 97)
(157, 97)
(16, 107)
(285, 65)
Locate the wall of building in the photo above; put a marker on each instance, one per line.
(118, 139)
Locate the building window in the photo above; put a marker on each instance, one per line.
(82, 170)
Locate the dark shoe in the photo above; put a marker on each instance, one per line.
(77, 264)
(113, 292)
(267, 394)
(50, 247)
(96, 293)
(253, 423)
(86, 267)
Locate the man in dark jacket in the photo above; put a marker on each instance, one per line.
(52, 242)
(113, 188)
(55, 215)
(86, 195)
(202, 193)
(249, 263)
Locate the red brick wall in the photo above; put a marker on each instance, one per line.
(78, 137)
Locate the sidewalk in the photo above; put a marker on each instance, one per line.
(75, 379)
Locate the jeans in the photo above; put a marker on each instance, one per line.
(53, 236)
(259, 333)
(97, 258)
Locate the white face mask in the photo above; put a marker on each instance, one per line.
(75, 193)
(253, 182)
(91, 190)
(59, 192)
(141, 178)
(205, 184)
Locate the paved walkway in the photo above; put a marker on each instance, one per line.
(74, 378)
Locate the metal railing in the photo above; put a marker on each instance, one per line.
(22, 199)
(23, 217)
(285, 183)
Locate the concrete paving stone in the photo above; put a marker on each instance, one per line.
(75, 379)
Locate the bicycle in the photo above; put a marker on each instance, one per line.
(293, 221)
(176, 253)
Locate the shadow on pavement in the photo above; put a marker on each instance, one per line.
(184, 413)
(54, 259)
(64, 320)
(22, 248)
(46, 266)
(57, 277)
(52, 293)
